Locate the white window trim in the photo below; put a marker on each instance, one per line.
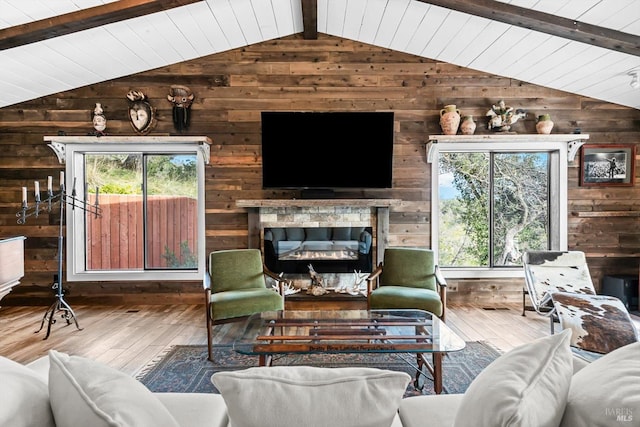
(70, 151)
(563, 149)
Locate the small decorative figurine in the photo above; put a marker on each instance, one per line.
(181, 97)
(99, 120)
(317, 283)
(140, 112)
(502, 116)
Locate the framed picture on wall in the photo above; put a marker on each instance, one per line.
(607, 164)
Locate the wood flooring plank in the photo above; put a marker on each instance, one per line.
(129, 337)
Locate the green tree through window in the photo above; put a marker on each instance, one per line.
(493, 207)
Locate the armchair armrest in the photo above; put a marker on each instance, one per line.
(372, 279)
(280, 281)
(442, 288)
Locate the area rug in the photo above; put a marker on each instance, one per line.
(185, 368)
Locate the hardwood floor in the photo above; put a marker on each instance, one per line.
(129, 337)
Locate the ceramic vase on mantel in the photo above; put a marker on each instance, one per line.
(449, 119)
(467, 126)
(544, 124)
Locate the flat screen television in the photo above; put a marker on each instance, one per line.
(327, 150)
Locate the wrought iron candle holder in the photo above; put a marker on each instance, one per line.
(53, 200)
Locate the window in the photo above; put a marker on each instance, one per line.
(151, 196)
(492, 201)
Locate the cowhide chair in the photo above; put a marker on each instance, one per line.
(560, 285)
(599, 323)
(547, 272)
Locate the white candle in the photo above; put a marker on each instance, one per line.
(61, 179)
(37, 190)
(49, 184)
(24, 195)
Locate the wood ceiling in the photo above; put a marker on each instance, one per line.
(587, 47)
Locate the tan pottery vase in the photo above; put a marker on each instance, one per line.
(544, 124)
(449, 119)
(467, 126)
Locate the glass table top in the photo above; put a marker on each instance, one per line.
(346, 331)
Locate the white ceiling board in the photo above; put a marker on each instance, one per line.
(372, 19)
(354, 15)
(264, 14)
(460, 48)
(391, 19)
(226, 18)
(410, 26)
(246, 18)
(407, 26)
(189, 21)
(208, 23)
(333, 16)
(428, 26)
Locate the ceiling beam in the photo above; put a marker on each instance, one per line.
(310, 19)
(83, 20)
(546, 23)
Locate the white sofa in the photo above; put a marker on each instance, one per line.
(538, 384)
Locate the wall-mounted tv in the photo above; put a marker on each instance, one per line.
(327, 150)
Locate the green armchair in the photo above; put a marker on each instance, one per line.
(235, 287)
(408, 278)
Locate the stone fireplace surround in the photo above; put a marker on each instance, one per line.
(283, 213)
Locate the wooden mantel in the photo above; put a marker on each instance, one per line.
(309, 203)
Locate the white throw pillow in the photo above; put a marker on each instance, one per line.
(607, 391)
(283, 396)
(525, 387)
(24, 400)
(87, 393)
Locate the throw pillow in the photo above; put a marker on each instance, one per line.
(606, 392)
(25, 397)
(311, 396)
(527, 386)
(87, 393)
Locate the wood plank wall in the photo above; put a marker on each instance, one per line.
(328, 74)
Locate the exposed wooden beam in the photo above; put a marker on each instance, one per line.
(545, 23)
(310, 19)
(82, 20)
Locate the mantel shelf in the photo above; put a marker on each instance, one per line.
(573, 141)
(305, 203)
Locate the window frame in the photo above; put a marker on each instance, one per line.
(71, 151)
(561, 151)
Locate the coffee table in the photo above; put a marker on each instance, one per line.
(351, 331)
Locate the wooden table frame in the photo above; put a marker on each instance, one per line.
(367, 332)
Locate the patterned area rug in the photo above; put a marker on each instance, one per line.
(185, 368)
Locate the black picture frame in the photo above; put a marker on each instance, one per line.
(607, 165)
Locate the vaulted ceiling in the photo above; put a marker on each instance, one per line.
(586, 47)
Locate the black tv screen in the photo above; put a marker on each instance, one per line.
(327, 150)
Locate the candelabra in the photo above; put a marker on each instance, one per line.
(46, 206)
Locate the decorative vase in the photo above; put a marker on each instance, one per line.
(467, 126)
(449, 119)
(544, 124)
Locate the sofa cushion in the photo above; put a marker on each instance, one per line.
(295, 233)
(318, 233)
(527, 386)
(439, 409)
(87, 393)
(25, 397)
(311, 396)
(607, 391)
(196, 409)
(341, 233)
